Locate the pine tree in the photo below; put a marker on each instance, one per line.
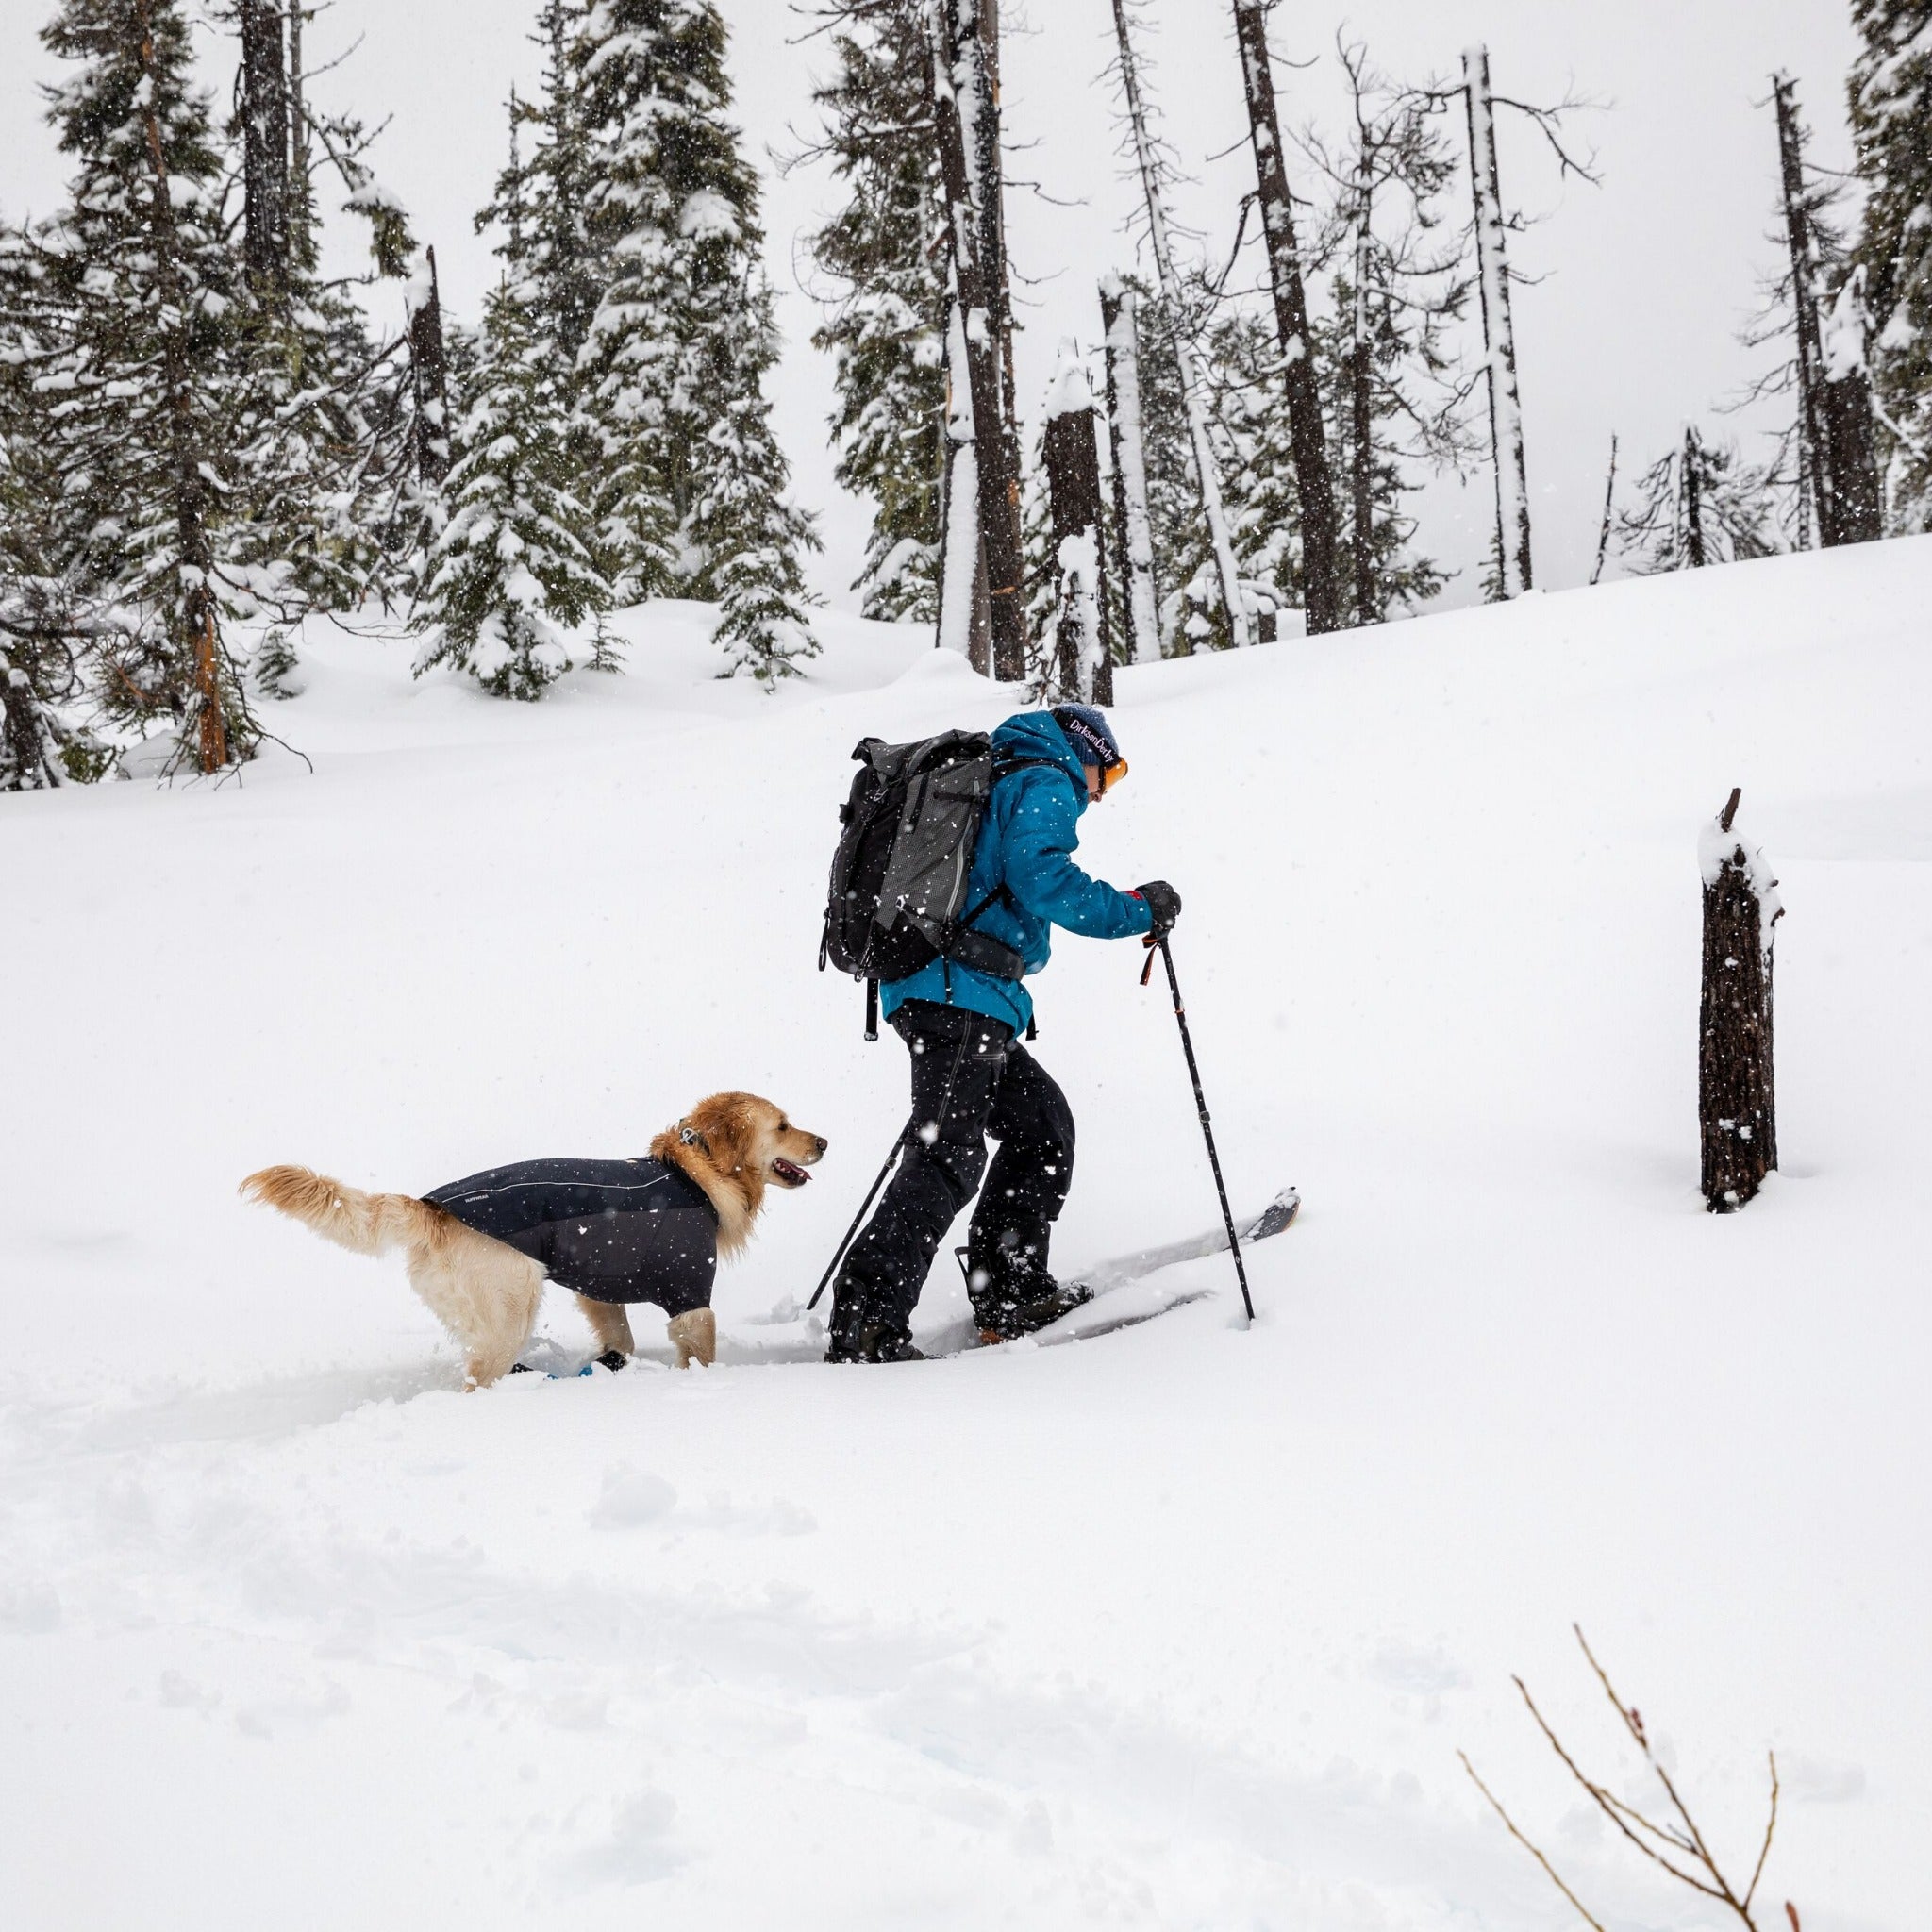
(538, 205)
(883, 251)
(126, 328)
(1697, 507)
(1890, 96)
(672, 370)
(513, 564)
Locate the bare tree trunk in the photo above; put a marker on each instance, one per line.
(968, 133)
(1850, 434)
(1811, 452)
(1307, 440)
(1207, 476)
(1133, 522)
(1736, 1096)
(1084, 665)
(1693, 482)
(301, 213)
(1368, 589)
(265, 148)
(1499, 332)
(1602, 534)
(429, 376)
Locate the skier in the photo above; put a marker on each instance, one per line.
(970, 1076)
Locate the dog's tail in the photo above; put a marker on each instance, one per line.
(364, 1224)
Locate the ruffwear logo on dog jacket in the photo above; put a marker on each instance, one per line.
(636, 1230)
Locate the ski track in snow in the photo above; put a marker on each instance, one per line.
(1182, 1626)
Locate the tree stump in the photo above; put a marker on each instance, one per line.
(1736, 1100)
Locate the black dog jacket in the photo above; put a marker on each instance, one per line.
(614, 1230)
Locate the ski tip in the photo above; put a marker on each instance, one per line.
(1277, 1215)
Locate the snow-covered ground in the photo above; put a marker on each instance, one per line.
(1179, 1628)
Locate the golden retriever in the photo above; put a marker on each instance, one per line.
(485, 1292)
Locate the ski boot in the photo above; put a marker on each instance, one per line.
(1013, 1295)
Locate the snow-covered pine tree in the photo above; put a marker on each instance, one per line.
(128, 335)
(538, 205)
(45, 624)
(1697, 507)
(672, 371)
(883, 251)
(513, 566)
(1891, 97)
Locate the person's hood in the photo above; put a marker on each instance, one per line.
(1036, 735)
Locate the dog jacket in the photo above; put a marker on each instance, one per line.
(614, 1230)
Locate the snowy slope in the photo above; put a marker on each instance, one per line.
(1182, 1628)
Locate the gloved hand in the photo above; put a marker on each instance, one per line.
(1165, 905)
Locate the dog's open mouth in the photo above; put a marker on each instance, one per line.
(788, 1174)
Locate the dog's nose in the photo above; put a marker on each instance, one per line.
(823, 1143)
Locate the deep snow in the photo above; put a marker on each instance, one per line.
(1179, 1628)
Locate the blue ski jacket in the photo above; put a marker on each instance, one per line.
(1027, 845)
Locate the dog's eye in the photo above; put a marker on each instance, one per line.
(784, 1126)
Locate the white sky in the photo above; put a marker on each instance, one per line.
(1632, 329)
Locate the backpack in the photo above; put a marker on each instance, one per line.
(908, 830)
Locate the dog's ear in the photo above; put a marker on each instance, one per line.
(728, 1124)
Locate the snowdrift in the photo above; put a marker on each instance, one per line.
(1182, 1626)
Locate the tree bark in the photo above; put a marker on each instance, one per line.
(1602, 534)
(1693, 502)
(430, 380)
(1207, 476)
(1307, 440)
(1084, 658)
(1133, 522)
(1811, 359)
(967, 122)
(1368, 589)
(1735, 1098)
(265, 148)
(1499, 332)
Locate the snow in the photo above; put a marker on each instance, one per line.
(1182, 1626)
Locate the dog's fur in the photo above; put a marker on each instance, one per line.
(486, 1292)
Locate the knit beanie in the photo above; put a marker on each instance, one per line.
(1089, 734)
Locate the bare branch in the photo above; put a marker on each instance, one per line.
(1556, 1877)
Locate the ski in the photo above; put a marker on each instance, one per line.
(1102, 1313)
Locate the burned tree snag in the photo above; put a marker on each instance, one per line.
(1735, 1101)
(429, 375)
(1153, 181)
(1133, 544)
(1499, 331)
(1810, 355)
(264, 87)
(1308, 440)
(1083, 659)
(968, 131)
(1692, 499)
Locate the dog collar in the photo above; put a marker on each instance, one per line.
(692, 1138)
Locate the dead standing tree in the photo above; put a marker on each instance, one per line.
(1154, 182)
(1514, 573)
(1836, 451)
(1737, 1106)
(262, 87)
(1083, 663)
(1133, 545)
(967, 118)
(1673, 1841)
(1307, 439)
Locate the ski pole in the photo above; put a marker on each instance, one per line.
(1180, 1013)
(865, 1209)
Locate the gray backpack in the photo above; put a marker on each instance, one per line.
(907, 834)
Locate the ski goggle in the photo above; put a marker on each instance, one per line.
(1111, 774)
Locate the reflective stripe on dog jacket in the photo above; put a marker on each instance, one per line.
(613, 1230)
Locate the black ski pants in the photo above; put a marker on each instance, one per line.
(970, 1078)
